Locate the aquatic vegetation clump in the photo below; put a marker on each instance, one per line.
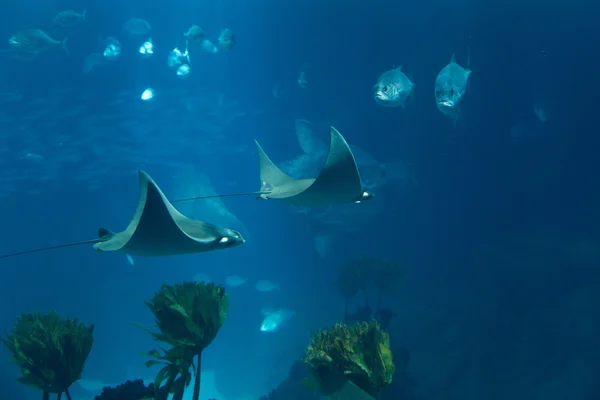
(360, 354)
(50, 351)
(189, 317)
(130, 390)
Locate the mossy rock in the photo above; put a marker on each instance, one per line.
(360, 354)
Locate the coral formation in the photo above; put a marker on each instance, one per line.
(360, 354)
(130, 390)
(189, 317)
(50, 351)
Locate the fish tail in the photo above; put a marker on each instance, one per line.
(187, 51)
(83, 15)
(63, 44)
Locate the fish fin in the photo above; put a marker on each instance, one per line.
(105, 234)
(187, 51)
(468, 85)
(63, 44)
(455, 121)
(452, 59)
(308, 139)
(267, 311)
(83, 15)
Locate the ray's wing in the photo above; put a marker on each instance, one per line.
(158, 229)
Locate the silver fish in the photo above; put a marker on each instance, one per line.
(92, 61)
(194, 34)
(450, 87)
(266, 286)
(112, 48)
(274, 320)
(235, 281)
(34, 41)
(226, 40)
(137, 26)
(392, 88)
(69, 18)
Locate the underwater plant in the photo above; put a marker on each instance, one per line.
(360, 354)
(50, 351)
(386, 275)
(189, 317)
(130, 390)
(352, 277)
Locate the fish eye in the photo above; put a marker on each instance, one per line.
(384, 89)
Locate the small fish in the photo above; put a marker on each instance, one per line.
(33, 157)
(176, 57)
(69, 18)
(147, 48)
(392, 88)
(277, 92)
(92, 61)
(194, 34)
(183, 70)
(303, 80)
(275, 319)
(540, 113)
(147, 94)
(130, 259)
(209, 46)
(137, 26)
(266, 286)
(235, 281)
(35, 41)
(304, 77)
(226, 40)
(450, 87)
(200, 277)
(112, 48)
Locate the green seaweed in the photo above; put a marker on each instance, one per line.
(50, 351)
(188, 317)
(360, 354)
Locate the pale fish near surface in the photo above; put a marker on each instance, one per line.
(266, 286)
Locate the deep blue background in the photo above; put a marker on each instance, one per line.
(477, 185)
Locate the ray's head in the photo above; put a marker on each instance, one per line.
(365, 196)
(227, 238)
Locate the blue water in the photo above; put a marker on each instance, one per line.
(498, 240)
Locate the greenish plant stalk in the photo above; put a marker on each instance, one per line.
(196, 395)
